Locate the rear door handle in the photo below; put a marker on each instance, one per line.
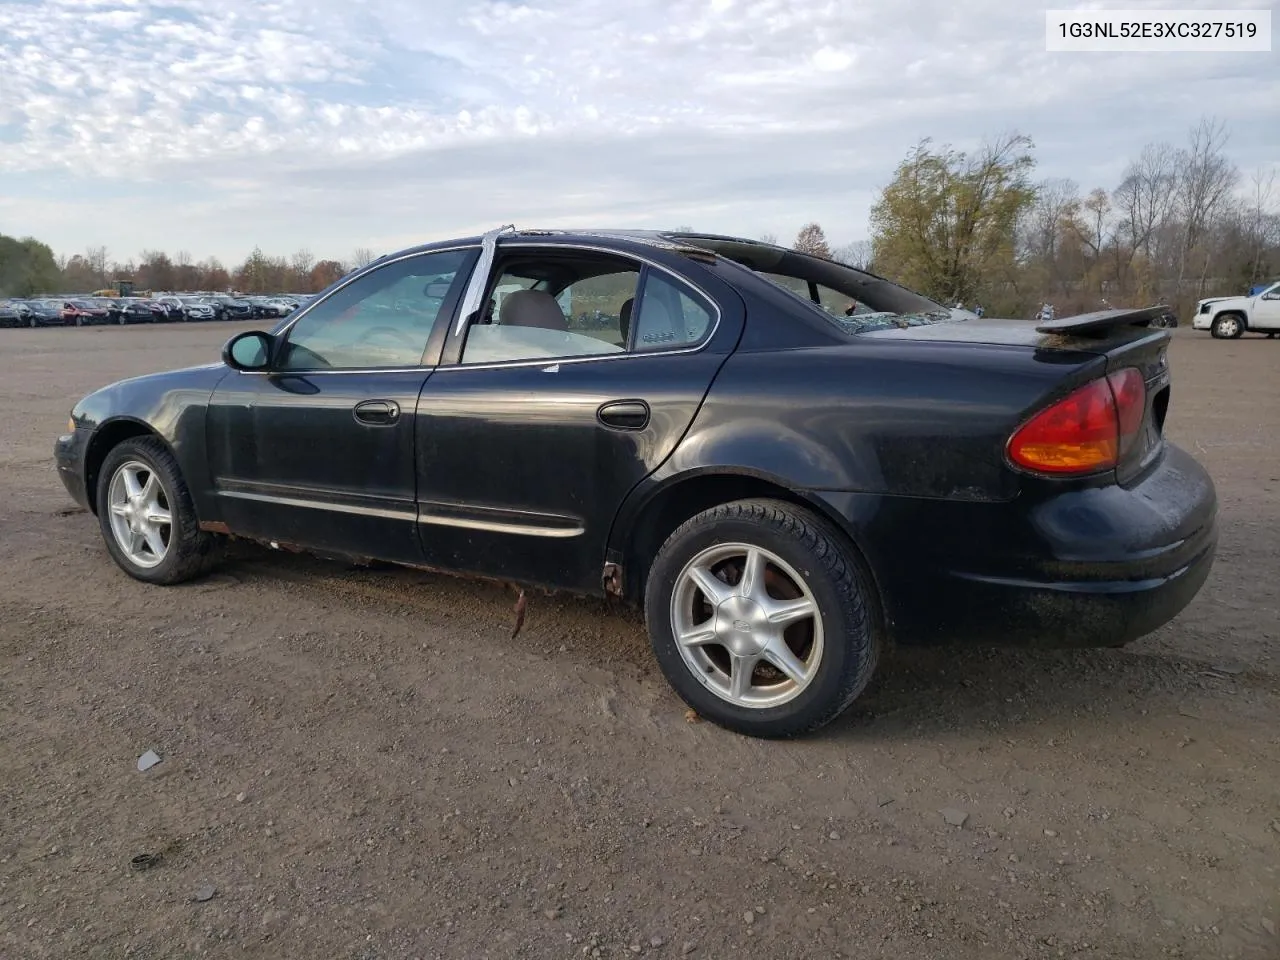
(378, 413)
(624, 414)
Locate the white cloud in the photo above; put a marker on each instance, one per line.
(341, 124)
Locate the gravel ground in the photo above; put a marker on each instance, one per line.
(363, 764)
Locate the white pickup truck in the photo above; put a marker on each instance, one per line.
(1228, 317)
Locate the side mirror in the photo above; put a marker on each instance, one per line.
(248, 351)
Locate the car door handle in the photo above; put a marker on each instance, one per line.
(625, 414)
(378, 413)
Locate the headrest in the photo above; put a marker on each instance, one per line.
(532, 308)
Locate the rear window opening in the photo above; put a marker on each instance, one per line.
(854, 300)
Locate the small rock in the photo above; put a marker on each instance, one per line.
(656, 942)
(148, 760)
(1009, 812)
(635, 948)
(204, 894)
(688, 948)
(241, 797)
(954, 817)
(834, 835)
(1269, 926)
(1051, 833)
(551, 913)
(749, 917)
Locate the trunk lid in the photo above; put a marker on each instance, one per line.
(1120, 337)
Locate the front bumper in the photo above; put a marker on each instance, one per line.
(69, 456)
(1094, 567)
(1202, 321)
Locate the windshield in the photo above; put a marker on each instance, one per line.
(853, 299)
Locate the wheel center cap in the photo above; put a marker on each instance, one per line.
(739, 626)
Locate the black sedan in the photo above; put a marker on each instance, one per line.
(783, 485)
(136, 311)
(14, 313)
(47, 313)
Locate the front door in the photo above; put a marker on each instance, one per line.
(319, 450)
(1266, 310)
(577, 382)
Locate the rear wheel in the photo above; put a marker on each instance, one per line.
(762, 619)
(1227, 326)
(147, 517)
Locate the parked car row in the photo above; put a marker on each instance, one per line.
(77, 311)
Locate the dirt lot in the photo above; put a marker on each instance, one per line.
(365, 765)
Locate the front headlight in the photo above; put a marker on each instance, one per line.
(71, 424)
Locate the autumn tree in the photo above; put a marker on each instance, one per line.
(947, 219)
(213, 275)
(812, 240)
(324, 273)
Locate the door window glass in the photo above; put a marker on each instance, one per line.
(381, 320)
(549, 307)
(669, 317)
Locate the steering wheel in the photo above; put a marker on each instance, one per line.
(400, 335)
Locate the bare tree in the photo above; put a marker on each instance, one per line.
(770, 238)
(1144, 200)
(1260, 224)
(856, 254)
(1205, 178)
(361, 257)
(301, 264)
(97, 260)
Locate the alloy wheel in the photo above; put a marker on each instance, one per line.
(140, 517)
(747, 625)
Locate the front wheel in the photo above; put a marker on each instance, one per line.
(1227, 327)
(762, 618)
(147, 517)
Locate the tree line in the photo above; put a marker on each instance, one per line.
(1183, 223)
(961, 227)
(30, 268)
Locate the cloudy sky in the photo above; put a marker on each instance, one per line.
(213, 125)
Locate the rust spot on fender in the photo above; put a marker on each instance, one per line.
(215, 526)
(612, 579)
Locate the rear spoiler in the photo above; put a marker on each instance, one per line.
(1096, 324)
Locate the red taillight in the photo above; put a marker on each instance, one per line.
(1087, 431)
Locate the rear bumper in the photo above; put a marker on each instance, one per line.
(1087, 568)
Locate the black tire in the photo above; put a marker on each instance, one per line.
(191, 551)
(835, 576)
(1227, 326)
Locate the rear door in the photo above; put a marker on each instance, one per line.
(319, 451)
(578, 381)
